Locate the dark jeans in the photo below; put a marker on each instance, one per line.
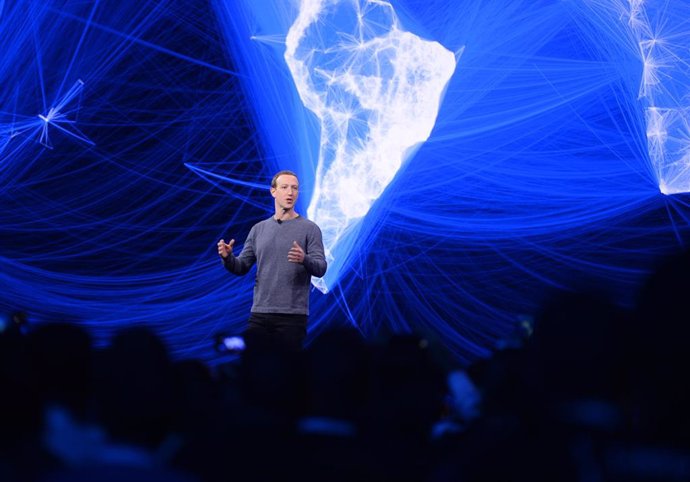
(285, 330)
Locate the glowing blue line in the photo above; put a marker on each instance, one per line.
(350, 316)
(149, 44)
(77, 49)
(270, 39)
(74, 91)
(55, 117)
(228, 179)
(78, 135)
(39, 68)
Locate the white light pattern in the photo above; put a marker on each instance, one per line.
(664, 89)
(57, 117)
(376, 91)
(39, 126)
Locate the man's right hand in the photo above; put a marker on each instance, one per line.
(225, 249)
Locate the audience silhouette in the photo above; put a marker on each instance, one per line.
(596, 392)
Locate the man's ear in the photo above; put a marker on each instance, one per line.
(273, 192)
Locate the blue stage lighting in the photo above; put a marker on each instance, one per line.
(462, 157)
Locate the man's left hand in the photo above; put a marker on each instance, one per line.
(296, 253)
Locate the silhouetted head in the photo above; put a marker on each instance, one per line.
(136, 388)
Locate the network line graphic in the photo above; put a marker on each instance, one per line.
(664, 42)
(58, 116)
(376, 90)
(463, 158)
(655, 34)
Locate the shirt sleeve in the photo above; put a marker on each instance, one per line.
(241, 264)
(314, 258)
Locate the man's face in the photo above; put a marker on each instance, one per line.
(286, 191)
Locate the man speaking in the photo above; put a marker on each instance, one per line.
(288, 250)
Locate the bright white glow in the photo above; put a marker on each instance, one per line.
(376, 90)
(57, 117)
(664, 89)
(650, 68)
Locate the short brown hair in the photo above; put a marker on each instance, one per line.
(274, 181)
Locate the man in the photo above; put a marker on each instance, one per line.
(288, 250)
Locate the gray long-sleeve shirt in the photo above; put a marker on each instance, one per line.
(280, 286)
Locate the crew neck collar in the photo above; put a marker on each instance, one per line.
(284, 220)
